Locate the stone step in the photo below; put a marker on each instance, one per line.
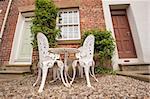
(6, 76)
(12, 72)
(15, 69)
(134, 67)
(141, 75)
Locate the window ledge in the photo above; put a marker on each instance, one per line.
(68, 41)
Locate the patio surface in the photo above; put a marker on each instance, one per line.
(109, 86)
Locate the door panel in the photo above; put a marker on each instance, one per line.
(21, 52)
(25, 48)
(124, 40)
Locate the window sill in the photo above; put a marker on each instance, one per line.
(68, 41)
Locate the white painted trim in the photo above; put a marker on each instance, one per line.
(135, 35)
(19, 39)
(5, 19)
(131, 61)
(15, 46)
(109, 26)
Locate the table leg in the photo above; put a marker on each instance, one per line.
(66, 68)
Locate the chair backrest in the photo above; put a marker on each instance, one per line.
(87, 50)
(43, 45)
(89, 46)
(43, 48)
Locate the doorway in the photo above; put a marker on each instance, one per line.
(123, 35)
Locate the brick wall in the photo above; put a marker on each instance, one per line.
(3, 7)
(91, 16)
(91, 12)
(7, 38)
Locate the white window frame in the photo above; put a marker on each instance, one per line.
(15, 48)
(23, 59)
(69, 24)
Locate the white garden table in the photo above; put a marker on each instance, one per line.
(64, 51)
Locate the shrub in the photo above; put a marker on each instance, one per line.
(45, 21)
(104, 44)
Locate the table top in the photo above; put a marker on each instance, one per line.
(63, 50)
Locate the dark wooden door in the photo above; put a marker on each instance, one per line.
(124, 40)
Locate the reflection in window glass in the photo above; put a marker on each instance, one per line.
(68, 23)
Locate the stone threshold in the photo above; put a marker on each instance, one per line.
(12, 72)
(140, 75)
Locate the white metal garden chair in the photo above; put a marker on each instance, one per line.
(46, 61)
(85, 60)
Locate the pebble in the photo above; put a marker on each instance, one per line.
(108, 87)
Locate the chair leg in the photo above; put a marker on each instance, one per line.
(44, 75)
(86, 69)
(93, 74)
(55, 75)
(80, 71)
(39, 76)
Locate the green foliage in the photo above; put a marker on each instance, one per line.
(104, 43)
(104, 70)
(45, 21)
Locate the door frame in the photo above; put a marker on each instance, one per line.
(109, 25)
(15, 46)
(123, 12)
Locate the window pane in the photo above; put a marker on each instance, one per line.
(70, 17)
(65, 18)
(69, 24)
(75, 17)
(70, 32)
(64, 32)
(25, 47)
(76, 32)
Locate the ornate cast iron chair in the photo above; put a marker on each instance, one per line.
(85, 60)
(46, 61)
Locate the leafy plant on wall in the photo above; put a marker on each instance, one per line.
(45, 21)
(104, 44)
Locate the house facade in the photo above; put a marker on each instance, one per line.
(128, 20)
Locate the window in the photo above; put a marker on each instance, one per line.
(69, 24)
(21, 52)
(25, 47)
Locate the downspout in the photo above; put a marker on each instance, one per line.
(5, 19)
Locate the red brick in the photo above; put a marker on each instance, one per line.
(91, 16)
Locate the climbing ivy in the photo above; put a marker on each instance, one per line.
(45, 21)
(104, 43)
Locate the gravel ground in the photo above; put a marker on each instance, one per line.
(108, 87)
